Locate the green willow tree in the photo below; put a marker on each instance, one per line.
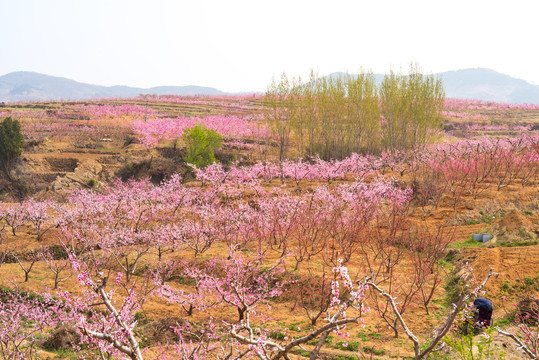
(329, 117)
(279, 107)
(412, 107)
(333, 117)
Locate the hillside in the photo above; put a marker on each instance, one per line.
(482, 84)
(31, 86)
(164, 222)
(479, 83)
(488, 85)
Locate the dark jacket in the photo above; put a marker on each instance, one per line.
(483, 311)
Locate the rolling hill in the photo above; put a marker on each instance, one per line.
(31, 86)
(478, 83)
(483, 84)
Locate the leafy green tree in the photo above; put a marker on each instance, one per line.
(279, 106)
(11, 142)
(333, 117)
(201, 144)
(412, 107)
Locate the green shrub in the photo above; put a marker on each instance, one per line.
(470, 347)
(201, 144)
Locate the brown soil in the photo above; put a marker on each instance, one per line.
(514, 221)
(61, 167)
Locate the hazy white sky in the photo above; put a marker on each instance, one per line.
(240, 45)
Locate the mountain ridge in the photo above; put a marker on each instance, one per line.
(32, 86)
(472, 83)
(481, 84)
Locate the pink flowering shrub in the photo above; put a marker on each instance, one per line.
(24, 318)
(230, 127)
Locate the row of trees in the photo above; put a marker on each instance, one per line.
(108, 237)
(335, 116)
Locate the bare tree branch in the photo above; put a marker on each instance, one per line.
(444, 328)
(520, 344)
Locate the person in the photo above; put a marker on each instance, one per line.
(483, 312)
(481, 316)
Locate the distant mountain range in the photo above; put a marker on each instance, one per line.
(479, 83)
(482, 84)
(31, 86)
(488, 85)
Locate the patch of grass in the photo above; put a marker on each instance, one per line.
(527, 212)
(141, 318)
(505, 321)
(277, 335)
(470, 242)
(487, 218)
(142, 343)
(329, 340)
(528, 284)
(372, 350)
(375, 336)
(528, 280)
(484, 218)
(362, 336)
(347, 346)
(346, 357)
(64, 354)
(516, 243)
(400, 343)
(432, 356)
(524, 234)
(295, 327)
(303, 353)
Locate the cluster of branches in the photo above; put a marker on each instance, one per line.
(333, 117)
(411, 105)
(107, 325)
(114, 231)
